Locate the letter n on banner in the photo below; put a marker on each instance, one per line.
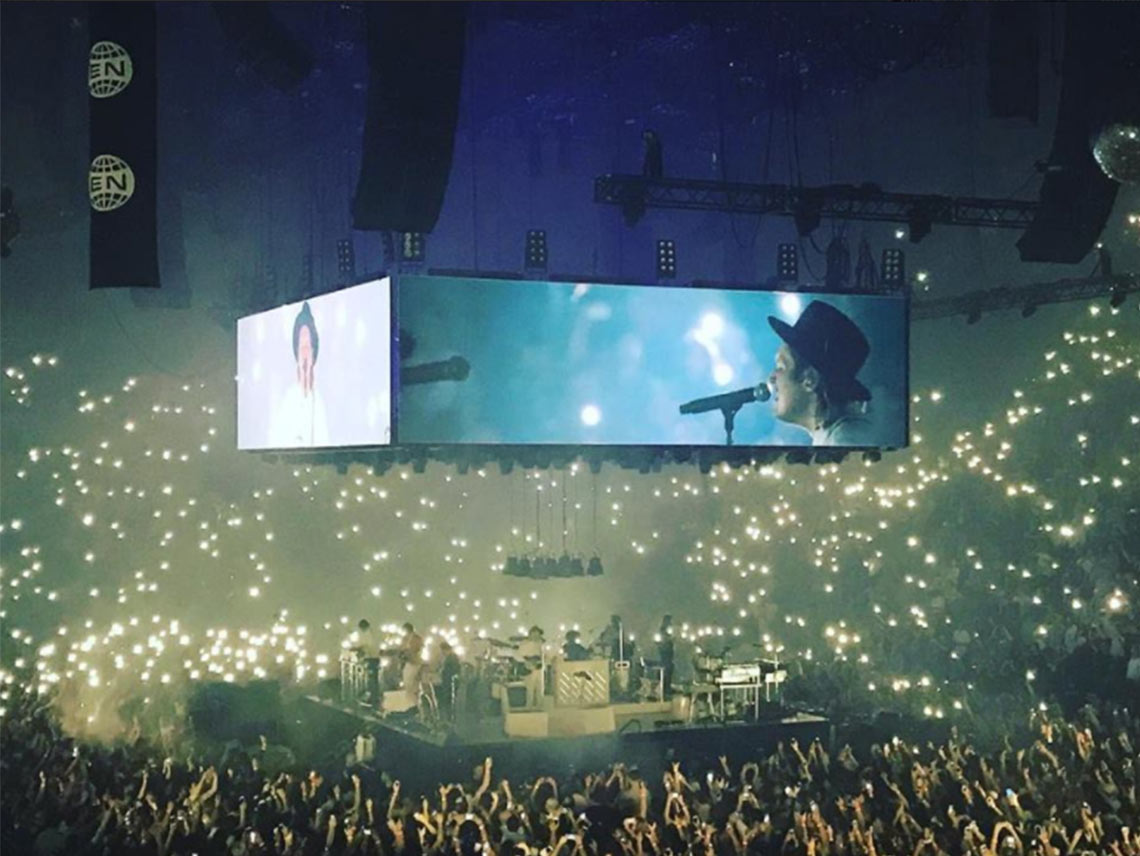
(122, 80)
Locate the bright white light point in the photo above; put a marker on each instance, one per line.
(254, 591)
(723, 374)
(88, 519)
(712, 324)
(900, 234)
(791, 305)
(591, 415)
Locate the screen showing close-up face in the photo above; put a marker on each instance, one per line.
(317, 373)
(565, 363)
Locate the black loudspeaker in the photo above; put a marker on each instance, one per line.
(272, 52)
(1012, 60)
(415, 66)
(1100, 69)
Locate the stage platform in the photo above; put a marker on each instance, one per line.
(647, 734)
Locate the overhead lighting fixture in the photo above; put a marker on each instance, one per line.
(535, 256)
(345, 258)
(666, 258)
(787, 263)
(919, 223)
(893, 268)
(412, 247)
(807, 213)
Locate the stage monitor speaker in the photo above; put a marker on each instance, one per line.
(415, 70)
(516, 696)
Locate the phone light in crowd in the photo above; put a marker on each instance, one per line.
(893, 268)
(591, 415)
(345, 258)
(787, 263)
(1115, 602)
(535, 257)
(666, 258)
(791, 305)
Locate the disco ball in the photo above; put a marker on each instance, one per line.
(1117, 150)
(111, 182)
(109, 69)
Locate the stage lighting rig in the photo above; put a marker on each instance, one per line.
(565, 566)
(807, 213)
(919, 223)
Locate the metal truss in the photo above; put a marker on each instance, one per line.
(1025, 297)
(840, 201)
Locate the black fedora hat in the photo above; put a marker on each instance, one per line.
(830, 342)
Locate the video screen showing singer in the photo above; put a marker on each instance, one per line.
(814, 394)
(653, 365)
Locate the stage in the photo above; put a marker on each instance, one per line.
(644, 734)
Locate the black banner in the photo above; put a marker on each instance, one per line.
(123, 84)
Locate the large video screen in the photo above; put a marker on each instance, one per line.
(317, 373)
(571, 364)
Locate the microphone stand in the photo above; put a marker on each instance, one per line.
(729, 414)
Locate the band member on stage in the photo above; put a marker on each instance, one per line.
(572, 649)
(665, 653)
(530, 651)
(449, 679)
(614, 640)
(364, 638)
(300, 418)
(364, 641)
(411, 655)
(814, 383)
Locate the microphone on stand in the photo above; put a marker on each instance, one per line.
(728, 400)
(455, 368)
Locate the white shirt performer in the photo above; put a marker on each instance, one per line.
(300, 418)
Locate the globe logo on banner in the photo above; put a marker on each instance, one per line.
(109, 69)
(110, 183)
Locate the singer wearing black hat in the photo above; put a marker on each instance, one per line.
(814, 383)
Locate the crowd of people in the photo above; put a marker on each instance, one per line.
(1056, 786)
